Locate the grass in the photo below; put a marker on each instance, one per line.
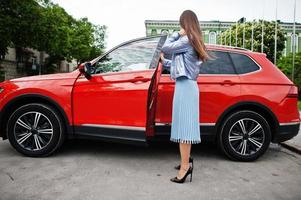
(299, 105)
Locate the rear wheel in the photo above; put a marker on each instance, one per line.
(35, 130)
(245, 136)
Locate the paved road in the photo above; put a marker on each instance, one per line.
(97, 170)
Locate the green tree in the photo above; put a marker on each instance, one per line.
(55, 34)
(45, 26)
(268, 37)
(285, 65)
(19, 24)
(99, 34)
(87, 40)
(81, 39)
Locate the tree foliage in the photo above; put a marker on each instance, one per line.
(268, 37)
(45, 26)
(285, 64)
(19, 23)
(84, 44)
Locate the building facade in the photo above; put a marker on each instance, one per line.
(27, 61)
(212, 31)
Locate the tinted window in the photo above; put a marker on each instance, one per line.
(243, 64)
(220, 63)
(133, 56)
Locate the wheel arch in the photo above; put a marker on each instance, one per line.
(18, 101)
(250, 105)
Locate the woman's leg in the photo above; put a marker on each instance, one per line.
(185, 154)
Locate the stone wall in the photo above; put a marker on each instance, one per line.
(10, 70)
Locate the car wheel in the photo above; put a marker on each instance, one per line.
(35, 130)
(244, 136)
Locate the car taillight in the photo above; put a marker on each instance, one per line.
(293, 92)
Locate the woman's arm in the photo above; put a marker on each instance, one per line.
(166, 63)
(175, 44)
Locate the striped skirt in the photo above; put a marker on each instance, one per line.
(185, 112)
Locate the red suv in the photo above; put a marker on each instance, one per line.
(125, 95)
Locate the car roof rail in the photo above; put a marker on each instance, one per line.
(226, 46)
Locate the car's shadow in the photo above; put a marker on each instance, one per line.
(154, 150)
(96, 149)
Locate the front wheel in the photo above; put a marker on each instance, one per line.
(244, 136)
(35, 130)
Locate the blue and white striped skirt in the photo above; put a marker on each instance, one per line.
(185, 112)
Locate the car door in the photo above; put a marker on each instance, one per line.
(116, 103)
(219, 87)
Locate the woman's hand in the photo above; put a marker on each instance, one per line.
(162, 56)
(182, 32)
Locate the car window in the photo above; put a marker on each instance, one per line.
(132, 56)
(243, 63)
(219, 63)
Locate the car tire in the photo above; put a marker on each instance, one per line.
(35, 130)
(244, 136)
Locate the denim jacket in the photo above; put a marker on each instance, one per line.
(185, 61)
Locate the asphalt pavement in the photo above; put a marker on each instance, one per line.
(85, 169)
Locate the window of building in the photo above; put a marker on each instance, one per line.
(212, 38)
(294, 41)
(243, 64)
(33, 63)
(154, 32)
(164, 32)
(284, 50)
(220, 63)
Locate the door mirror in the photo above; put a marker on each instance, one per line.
(85, 69)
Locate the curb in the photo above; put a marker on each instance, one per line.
(291, 148)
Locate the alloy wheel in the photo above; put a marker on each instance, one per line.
(246, 136)
(33, 131)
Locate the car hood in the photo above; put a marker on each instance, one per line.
(58, 76)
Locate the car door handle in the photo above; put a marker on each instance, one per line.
(227, 82)
(139, 79)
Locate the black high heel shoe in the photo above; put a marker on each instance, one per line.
(190, 161)
(182, 180)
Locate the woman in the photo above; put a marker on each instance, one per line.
(188, 52)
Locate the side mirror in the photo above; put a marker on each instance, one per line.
(85, 69)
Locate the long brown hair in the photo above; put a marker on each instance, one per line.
(190, 23)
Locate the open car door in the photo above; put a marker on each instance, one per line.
(118, 101)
